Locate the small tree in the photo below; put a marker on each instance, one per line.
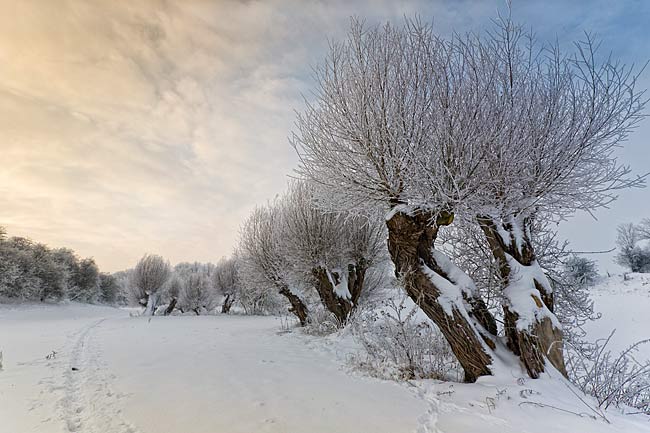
(85, 281)
(197, 294)
(147, 279)
(264, 264)
(581, 271)
(11, 273)
(332, 251)
(227, 282)
(631, 255)
(50, 273)
(172, 292)
(108, 288)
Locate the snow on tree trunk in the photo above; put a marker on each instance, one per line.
(151, 305)
(339, 291)
(298, 307)
(227, 303)
(171, 306)
(533, 332)
(462, 318)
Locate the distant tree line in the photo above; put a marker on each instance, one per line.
(197, 288)
(33, 271)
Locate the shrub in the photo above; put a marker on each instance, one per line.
(197, 294)
(397, 344)
(618, 380)
(322, 322)
(631, 254)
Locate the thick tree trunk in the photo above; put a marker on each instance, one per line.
(533, 332)
(410, 243)
(171, 306)
(150, 309)
(227, 303)
(340, 304)
(297, 306)
(356, 280)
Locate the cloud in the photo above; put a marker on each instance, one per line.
(156, 126)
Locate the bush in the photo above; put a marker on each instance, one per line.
(631, 254)
(581, 272)
(322, 322)
(197, 294)
(396, 344)
(614, 380)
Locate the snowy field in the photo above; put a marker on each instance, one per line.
(625, 307)
(116, 373)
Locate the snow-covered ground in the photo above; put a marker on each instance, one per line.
(242, 374)
(181, 374)
(625, 307)
(549, 404)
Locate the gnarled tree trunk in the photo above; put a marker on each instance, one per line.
(150, 308)
(469, 333)
(227, 303)
(171, 306)
(298, 308)
(532, 330)
(340, 304)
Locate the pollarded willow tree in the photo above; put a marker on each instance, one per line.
(494, 129)
(263, 261)
(334, 251)
(227, 281)
(147, 280)
(197, 293)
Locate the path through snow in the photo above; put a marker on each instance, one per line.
(181, 374)
(235, 374)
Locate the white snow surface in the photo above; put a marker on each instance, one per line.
(521, 293)
(624, 303)
(241, 374)
(455, 274)
(340, 289)
(184, 374)
(450, 295)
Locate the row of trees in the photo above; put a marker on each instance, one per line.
(493, 135)
(187, 287)
(298, 250)
(33, 271)
(471, 148)
(289, 251)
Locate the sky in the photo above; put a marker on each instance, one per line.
(154, 126)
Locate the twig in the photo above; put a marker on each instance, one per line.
(597, 412)
(581, 414)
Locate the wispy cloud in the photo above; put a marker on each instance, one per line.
(155, 126)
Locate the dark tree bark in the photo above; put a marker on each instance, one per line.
(171, 306)
(543, 340)
(410, 243)
(339, 306)
(298, 308)
(227, 303)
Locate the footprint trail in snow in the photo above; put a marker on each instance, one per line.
(89, 403)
